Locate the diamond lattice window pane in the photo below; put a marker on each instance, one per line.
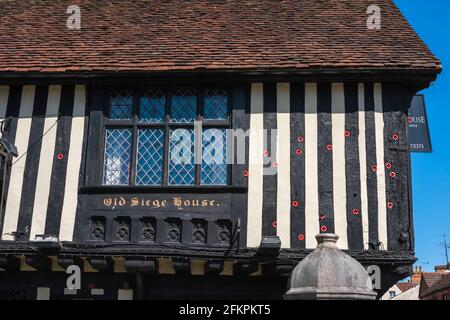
(216, 105)
(214, 157)
(181, 157)
(183, 106)
(121, 105)
(117, 157)
(152, 106)
(149, 165)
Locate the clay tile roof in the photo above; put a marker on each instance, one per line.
(430, 278)
(405, 286)
(208, 35)
(442, 283)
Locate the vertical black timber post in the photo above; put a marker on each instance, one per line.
(396, 101)
(240, 109)
(352, 168)
(94, 157)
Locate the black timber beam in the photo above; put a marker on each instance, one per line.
(10, 263)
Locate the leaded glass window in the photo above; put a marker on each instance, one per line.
(181, 161)
(149, 163)
(121, 105)
(216, 105)
(214, 157)
(184, 106)
(152, 106)
(150, 140)
(117, 157)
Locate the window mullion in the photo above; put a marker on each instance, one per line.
(135, 139)
(198, 166)
(166, 141)
(229, 144)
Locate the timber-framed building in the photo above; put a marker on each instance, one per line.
(98, 114)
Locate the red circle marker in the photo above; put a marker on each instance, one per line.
(395, 137)
(392, 174)
(410, 119)
(245, 173)
(347, 133)
(355, 212)
(60, 156)
(323, 228)
(389, 165)
(322, 217)
(295, 203)
(374, 168)
(91, 286)
(329, 147)
(301, 237)
(390, 205)
(300, 139)
(266, 153)
(299, 152)
(274, 224)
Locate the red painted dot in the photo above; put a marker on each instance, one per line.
(374, 168)
(301, 237)
(300, 139)
(60, 156)
(323, 228)
(266, 153)
(388, 165)
(329, 147)
(392, 174)
(274, 224)
(395, 137)
(295, 203)
(322, 217)
(355, 212)
(410, 119)
(390, 205)
(347, 133)
(299, 152)
(246, 173)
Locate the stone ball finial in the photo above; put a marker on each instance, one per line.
(328, 273)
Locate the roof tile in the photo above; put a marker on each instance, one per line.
(176, 35)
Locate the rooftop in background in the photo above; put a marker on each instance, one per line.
(405, 286)
(442, 268)
(429, 279)
(207, 35)
(442, 283)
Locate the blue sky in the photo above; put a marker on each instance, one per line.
(431, 172)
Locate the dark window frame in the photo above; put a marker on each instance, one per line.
(166, 125)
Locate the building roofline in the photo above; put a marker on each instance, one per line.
(424, 76)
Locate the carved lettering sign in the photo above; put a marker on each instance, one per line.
(178, 203)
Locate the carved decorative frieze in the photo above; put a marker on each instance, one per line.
(199, 231)
(174, 230)
(148, 231)
(97, 228)
(122, 229)
(223, 232)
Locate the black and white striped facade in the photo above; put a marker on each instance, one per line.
(336, 142)
(341, 158)
(49, 123)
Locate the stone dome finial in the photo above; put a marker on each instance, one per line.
(328, 273)
(328, 238)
